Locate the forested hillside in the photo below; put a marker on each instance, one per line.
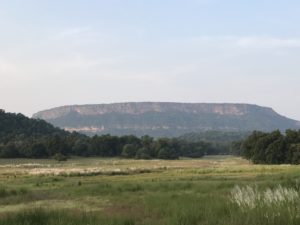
(32, 138)
(19, 125)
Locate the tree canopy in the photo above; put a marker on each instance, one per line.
(272, 148)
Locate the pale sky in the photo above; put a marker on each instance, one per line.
(62, 52)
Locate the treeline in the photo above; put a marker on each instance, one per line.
(216, 136)
(105, 146)
(31, 138)
(271, 148)
(222, 142)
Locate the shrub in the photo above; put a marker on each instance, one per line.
(60, 157)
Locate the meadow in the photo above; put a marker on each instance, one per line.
(212, 190)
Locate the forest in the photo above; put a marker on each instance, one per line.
(22, 137)
(272, 148)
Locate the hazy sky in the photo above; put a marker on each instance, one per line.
(61, 52)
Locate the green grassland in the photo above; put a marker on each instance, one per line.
(126, 192)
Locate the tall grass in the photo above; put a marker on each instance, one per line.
(280, 205)
(249, 197)
(6, 192)
(44, 217)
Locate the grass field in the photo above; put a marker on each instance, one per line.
(212, 190)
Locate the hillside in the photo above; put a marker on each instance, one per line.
(13, 125)
(165, 119)
(22, 137)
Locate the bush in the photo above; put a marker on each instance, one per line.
(60, 157)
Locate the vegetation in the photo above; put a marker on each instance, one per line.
(222, 142)
(125, 191)
(31, 138)
(272, 148)
(211, 190)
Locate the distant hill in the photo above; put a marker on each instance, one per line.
(164, 118)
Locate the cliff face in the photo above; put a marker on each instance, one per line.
(144, 107)
(164, 119)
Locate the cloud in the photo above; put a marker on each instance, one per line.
(250, 41)
(7, 68)
(268, 42)
(71, 32)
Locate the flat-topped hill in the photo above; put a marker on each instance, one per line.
(165, 118)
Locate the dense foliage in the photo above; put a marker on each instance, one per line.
(272, 148)
(31, 138)
(19, 125)
(222, 142)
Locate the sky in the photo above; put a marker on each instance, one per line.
(64, 52)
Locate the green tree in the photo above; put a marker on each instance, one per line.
(275, 152)
(38, 150)
(142, 153)
(82, 147)
(129, 151)
(9, 151)
(293, 155)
